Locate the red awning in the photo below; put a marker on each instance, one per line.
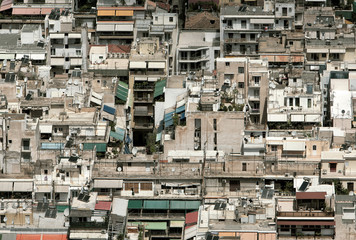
(191, 219)
(310, 223)
(54, 237)
(103, 206)
(310, 195)
(26, 11)
(28, 237)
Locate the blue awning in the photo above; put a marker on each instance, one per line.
(52, 146)
(109, 110)
(180, 109)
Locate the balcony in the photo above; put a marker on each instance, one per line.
(143, 99)
(316, 213)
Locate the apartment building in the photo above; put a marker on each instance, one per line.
(148, 68)
(115, 20)
(241, 27)
(68, 48)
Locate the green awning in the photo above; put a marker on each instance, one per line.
(185, 204)
(192, 204)
(177, 205)
(122, 91)
(100, 147)
(156, 204)
(61, 208)
(135, 204)
(118, 135)
(159, 88)
(150, 225)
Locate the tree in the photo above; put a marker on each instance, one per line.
(151, 146)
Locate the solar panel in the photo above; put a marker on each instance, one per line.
(54, 214)
(86, 198)
(45, 206)
(81, 196)
(270, 194)
(39, 206)
(303, 186)
(264, 193)
(48, 213)
(217, 206)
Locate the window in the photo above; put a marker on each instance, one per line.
(314, 147)
(274, 148)
(241, 85)
(215, 124)
(170, 19)
(234, 185)
(241, 70)
(243, 23)
(309, 103)
(146, 186)
(332, 167)
(26, 144)
(244, 167)
(131, 187)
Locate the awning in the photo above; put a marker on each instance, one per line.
(310, 195)
(335, 50)
(262, 20)
(103, 206)
(52, 146)
(109, 109)
(297, 118)
(101, 183)
(74, 35)
(61, 188)
(122, 91)
(124, 13)
(151, 225)
(135, 204)
(275, 117)
(177, 224)
(106, 13)
(159, 88)
(23, 187)
(293, 146)
(312, 118)
(308, 223)
(37, 56)
(6, 186)
(46, 128)
(54, 237)
(100, 147)
(160, 65)
(43, 189)
(26, 11)
(56, 35)
(156, 204)
(119, 135)
(317, 50)
(8, 56)
(137, 64)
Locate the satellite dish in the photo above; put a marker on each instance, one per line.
(134, 151)
(66, 212)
